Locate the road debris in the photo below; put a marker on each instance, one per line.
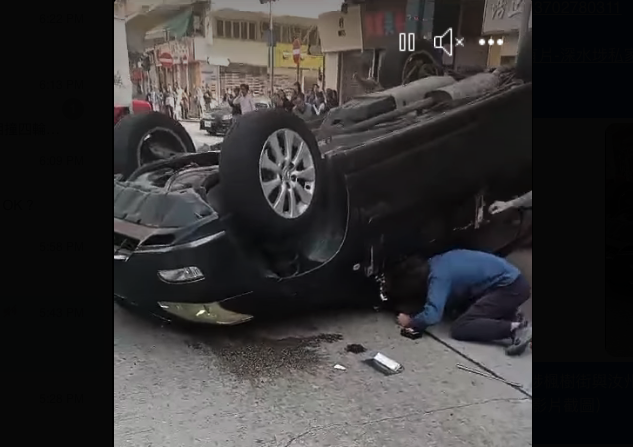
(340, 368)
(356, 349)
(385, 365)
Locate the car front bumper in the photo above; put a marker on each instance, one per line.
(215, 126)
(222, 294)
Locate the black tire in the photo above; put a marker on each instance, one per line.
(524, 59)
(240, 171)
(393, 61)
(130, 132)
(211, 133)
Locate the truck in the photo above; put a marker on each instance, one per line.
(124, 104)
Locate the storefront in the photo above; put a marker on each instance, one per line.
(287, 72)
(383, 21)
(351, 63)
(354, 36)
(342, 43)
(502, 21)
(173, 63)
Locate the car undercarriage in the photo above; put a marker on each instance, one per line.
(281, 213)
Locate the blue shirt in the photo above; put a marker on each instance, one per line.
(460, 275)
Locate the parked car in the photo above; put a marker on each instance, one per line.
(219, 120)
(285, 216)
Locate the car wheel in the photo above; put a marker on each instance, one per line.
(272, 172)
(145, 138)
(402, 67)
(211, 133)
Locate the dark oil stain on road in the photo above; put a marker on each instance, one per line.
(249, 357)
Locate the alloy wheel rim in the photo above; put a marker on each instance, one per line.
(287, 174)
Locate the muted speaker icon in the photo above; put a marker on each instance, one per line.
(438, 42)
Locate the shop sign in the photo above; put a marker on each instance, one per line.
(383, 22)
(503, 16)
(284, 57)
(180, 51)
(341, 32)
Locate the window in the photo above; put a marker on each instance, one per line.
(238, 30)
(313, 37)
(252, 35)
(277, 33)
(298, 33)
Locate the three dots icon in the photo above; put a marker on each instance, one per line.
(490, 42)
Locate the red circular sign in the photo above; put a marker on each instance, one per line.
(296, 51)
(166, 60)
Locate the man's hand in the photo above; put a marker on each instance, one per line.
(404, 320)
(499, 207)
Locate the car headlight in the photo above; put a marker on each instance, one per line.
(183, 275)
(227, 117)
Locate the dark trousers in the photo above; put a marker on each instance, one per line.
(490, 318)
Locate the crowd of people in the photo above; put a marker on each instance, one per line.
(180, 103)
(173, 101)
(307, 106)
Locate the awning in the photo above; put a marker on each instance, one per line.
(174, 28)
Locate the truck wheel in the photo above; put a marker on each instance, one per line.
(145, 138)
(402, 67)
(272, 172)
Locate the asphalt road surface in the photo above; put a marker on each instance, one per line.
(273, 384)
(200, 137)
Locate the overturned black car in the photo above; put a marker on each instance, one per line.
(283, 215)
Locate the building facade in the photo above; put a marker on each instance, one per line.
(238, 48)
(502, 20)
(188, 43)
(350, 37)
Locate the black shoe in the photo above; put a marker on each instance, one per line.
(521, 339)
(520, 318)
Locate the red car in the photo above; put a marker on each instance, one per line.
(138, 106)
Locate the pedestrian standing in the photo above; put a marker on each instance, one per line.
(246, 100)
(178, 101)
(153, 99)
(303, 110)
(319, 105)
(207, 100)
(200, 102)
(170, 102)
(185, 105)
